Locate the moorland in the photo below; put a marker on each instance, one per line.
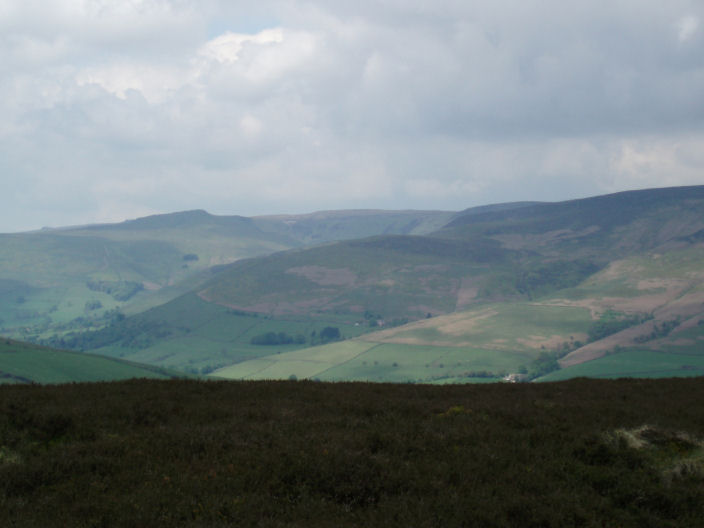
(577, 453)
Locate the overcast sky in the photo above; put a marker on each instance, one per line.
(118, 109)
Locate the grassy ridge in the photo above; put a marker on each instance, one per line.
(27, 363)
(139, 453)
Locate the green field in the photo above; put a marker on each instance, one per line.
(198, 337)
(635, 364)
(27, 363)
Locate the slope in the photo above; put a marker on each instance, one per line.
(640, 316)
(514, 253)
(580, 280)
(27, 363)
(59, 280)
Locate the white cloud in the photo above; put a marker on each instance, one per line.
(687, 26)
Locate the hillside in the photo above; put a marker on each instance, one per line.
(525, 291)
(68, 279)
(641, 316)
(516, 291)
(23, 363)
(511, 254)
(185, 453)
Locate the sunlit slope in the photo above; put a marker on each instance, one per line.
(27, 363)
(667, 286)
(487, 342)
(663, 290)
(192, 335)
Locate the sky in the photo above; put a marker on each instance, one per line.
(112, 110)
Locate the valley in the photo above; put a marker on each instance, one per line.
(524, 291)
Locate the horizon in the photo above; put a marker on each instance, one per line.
(320, 211)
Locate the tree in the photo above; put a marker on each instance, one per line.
(329, 333)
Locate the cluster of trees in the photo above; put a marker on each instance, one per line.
(277, 338)
(119, 290)
(612, 322)
(659, 330)
(127, 333)
(326, 335)
(553, 276)
(92, 305)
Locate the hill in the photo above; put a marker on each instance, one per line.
(517, 291)
(526, 291)
(513, 253)
(68, 279)
(22, 363)
(639, 316)
(186, 453)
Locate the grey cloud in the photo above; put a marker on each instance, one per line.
(372, 103)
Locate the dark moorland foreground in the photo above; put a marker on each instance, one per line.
(192, 453)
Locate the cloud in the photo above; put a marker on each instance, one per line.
(687, 27)
(160, 105)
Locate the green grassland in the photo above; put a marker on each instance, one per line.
(589, 453)
(456, 346)
(634, 363)
(196, 336)
(28, 363)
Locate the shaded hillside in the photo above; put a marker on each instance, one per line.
(182, 453)
(624, 222)
(394, 277)
(515, 253)
(22, 363)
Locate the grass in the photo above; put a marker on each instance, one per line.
(517, 326)
(306, 363)
(641, 363)
(27, 363)
(360, 360)
(183, 453)
(191, 334)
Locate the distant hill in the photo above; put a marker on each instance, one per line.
(512, 253)
(27, 363)
(58, 280)
(527, 290)
(329, 226)
(605, 286)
